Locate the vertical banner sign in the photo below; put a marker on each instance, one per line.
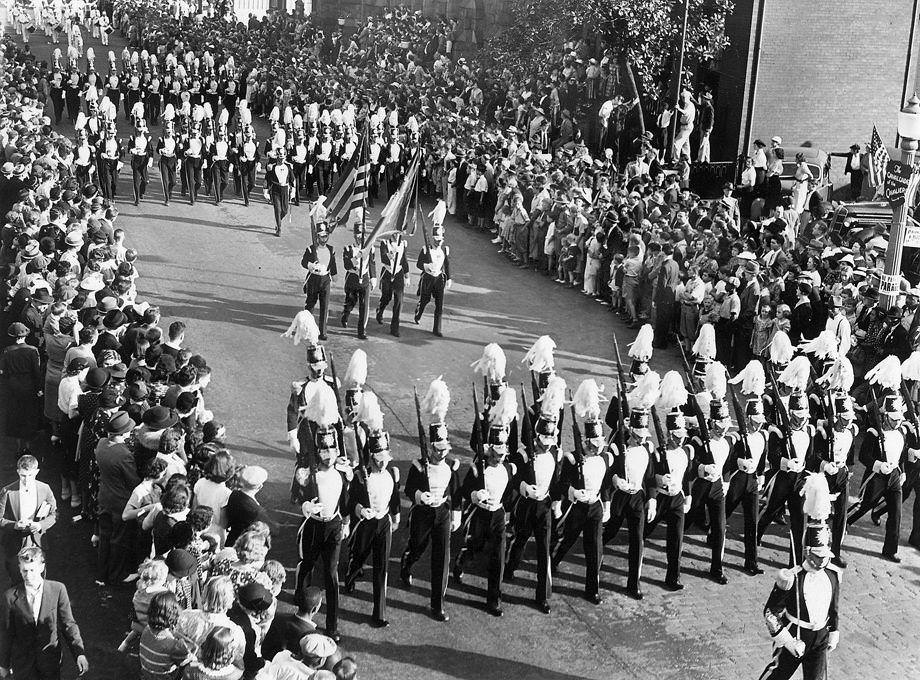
(896, 181)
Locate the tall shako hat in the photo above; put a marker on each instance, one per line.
(671, 400)
(887, 375)
(640, 350)
(378, 439)
(816, 506)
(715, 381)
(704, 350)
(780, 350)
(435, 405)
(501, 415)
(587, 403)
(491, 365)
(753, 384)
(304, 329)
(355, 377)
(540, 360)
(323, 411)
(551, 402)
(640, 400)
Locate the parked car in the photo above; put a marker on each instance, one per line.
(818, 163)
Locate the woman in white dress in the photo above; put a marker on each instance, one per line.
(800, 186)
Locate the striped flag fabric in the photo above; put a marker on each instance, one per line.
(396, 213)
(349, 193)
(878, 159)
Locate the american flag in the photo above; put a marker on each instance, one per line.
(349, 193)
(878, 159)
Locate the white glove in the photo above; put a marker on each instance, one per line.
(688, 501)
(557, 509)
(580, 495)
(301, 475)
(652, 509)
(761, 480)
(293, 441)
(454, 520)
(423, 497)
(310, 508)
(374, 283)
(833, 639)
(725, 485)
(913, 455)
(529, 490)
(903, 478)
(829, 467)
(606, 516)
(394, 521)
(795, 647)
(230, 167)
(346, 530)
(366, 513)
(481, 496)
(448, 284)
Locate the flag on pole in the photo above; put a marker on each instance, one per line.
(350, 190)
(396, 213)
(878, 159)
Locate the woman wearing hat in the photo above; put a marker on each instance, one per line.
(59, 335)
(20, 388)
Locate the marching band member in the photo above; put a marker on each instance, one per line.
(434, 263)
(319, 261)
(394, 278)
(360, 279)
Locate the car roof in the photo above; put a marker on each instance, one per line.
(812, 154)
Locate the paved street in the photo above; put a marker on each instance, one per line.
(221, 269)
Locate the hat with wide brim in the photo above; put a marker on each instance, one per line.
(17, 330)
(159, 418)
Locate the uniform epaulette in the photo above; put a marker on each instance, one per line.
(513, 468)
(297, 385)
(454, 464)
(569, 456)
(870, 432)
(837, 570)
(419, 465)
(785, 578)
(394, 472)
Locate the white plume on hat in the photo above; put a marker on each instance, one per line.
(437, 400)
(886, 373)
(169, 113)
(369, 412)
(322, 408)
(587, 400)
(505, 408)
(356, 373)
(825, 346)
(673, 393)
(641, 347)
(318, 212)
(275, 115)
(553, 397)
(910, 369)
(492, 362)
(288, 115)
(780, 348)
(645, 393)
(796, 374)
(224, 117)
(816, 496)
(715, 380)
(840, 376)
(303, 327)
(439, 212)
(540, 356)
(705, 345)
(752, 378)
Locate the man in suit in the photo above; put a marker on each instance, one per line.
(393, 279)
(360, 279)
(27, 510)
(252, 613)
(855, 171)
(242, 507)
(319, 261)
(665, 296)
(34, 616)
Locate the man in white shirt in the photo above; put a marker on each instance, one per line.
(27, 510)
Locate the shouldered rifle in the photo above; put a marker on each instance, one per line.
(911, 408)
(422, 439)
(527, 429)
(338, 403)
(622, 404)
(578, 448)
(780, 410)
(695, 407)
(659, 435)
(688, 371)
(742, 425)
(477, 433)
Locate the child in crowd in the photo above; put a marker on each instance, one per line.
(151, 579)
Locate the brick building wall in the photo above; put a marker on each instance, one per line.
(828, 71)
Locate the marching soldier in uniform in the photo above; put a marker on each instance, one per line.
(109, 159)
(434, 263)
(583, 480)
(140, 157)
(325, 510)
(536, 482)
(394, 277)
(360, 279)
(280, 180)
(883, 451)
(634, 479)
(319, 261)
(433, 489)
(491, 366)
(246, 160)
(300, 158)
(748, 461)
(166, 153)
(487, 486)
(802, 611)
(219, 160)
(84, 159)
(192, 158)
(374, 496)
(789, 449)
(672, 467)
(834, 440)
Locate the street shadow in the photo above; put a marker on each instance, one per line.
(459, 663)
(202, 223)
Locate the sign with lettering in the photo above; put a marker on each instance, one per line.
(897, 178)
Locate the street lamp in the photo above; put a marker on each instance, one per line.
(909, 132)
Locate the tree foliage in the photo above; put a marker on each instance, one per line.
(646, 32)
